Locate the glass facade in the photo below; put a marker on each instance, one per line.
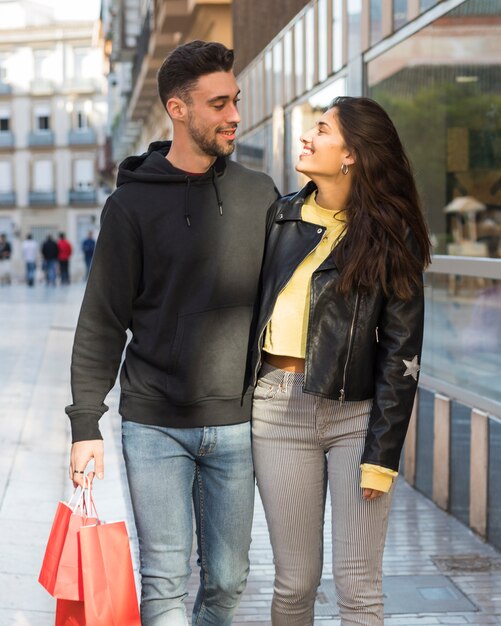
(442, 88)
(462, 340)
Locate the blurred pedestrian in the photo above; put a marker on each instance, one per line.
(50, 253)
(183, 277)
(340, 333)
(5, 263)
(29, 251)
(88, 246)
(64, 254)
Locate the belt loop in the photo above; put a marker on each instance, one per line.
(283, 382)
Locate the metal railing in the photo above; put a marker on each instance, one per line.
(42, 198)
(82, 136)
(7, 198)
(41, 138)
(83, 196)
(6, 139)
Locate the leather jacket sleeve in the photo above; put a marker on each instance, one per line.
(398, 359)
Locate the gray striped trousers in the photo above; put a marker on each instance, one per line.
(301, 444)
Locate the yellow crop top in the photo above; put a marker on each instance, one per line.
(287, 329)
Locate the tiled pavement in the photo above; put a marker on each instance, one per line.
(35, 342)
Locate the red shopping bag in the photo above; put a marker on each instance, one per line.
(61, 568)
(108, 578)
(70, 613)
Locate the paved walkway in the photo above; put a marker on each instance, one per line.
(423, 586)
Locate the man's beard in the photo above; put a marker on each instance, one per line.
(208, 145)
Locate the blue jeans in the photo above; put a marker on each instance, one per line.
(31, 269)
(173, 472)
(50, 272)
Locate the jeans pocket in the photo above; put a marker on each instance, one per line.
(265, 390)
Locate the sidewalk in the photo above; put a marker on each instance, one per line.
(424, 585)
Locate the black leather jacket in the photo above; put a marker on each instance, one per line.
(359, 346)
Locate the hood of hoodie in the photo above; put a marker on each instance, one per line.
(153, 167)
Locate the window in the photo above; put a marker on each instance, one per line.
(288, 67)
(310, 40)
(83, 172)
(427, 4)
(257, 82)
(4, 120)
(268, 81)
(85, 63)
(43, 122)
(399, 13)
(323, 26)
(277, 74)
(43, 176)
(354, 28)
(42, 117)
(42, 64)
(299, 56)
(81, 115)
(3, 68)
(5, 176)
(337, 35)
(376, 21)
(81, 120)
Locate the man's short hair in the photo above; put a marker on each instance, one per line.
(185, 64)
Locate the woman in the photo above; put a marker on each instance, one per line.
(339, 343)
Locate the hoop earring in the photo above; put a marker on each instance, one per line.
(345, 168)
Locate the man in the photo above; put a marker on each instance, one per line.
(5, 254)
(177, 263)
(65, 251)
(50, 253)
(88, 246)
(29, 250)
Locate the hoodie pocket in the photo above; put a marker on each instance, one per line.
(209, 353)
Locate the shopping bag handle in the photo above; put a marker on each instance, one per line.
(85, 500)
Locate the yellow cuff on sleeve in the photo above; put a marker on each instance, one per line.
(376, 477)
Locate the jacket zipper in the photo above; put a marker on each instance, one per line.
(260, 360)
(350, 345)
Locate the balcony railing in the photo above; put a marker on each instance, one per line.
(41, 138)
(7, 198)
(42, 198)
(82, 136)
(6, 139)
(83, 196)
(41, 86)
(81, 84)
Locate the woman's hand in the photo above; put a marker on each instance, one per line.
(371, 494)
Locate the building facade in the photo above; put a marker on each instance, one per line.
(141, 34)
(52, 128)
(436, 68)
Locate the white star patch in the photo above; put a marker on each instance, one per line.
(412, 367)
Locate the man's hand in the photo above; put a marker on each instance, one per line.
(81, 453)
(371, 494)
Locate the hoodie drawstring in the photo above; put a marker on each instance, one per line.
(187, 201)
(219, 201)
(187, 215)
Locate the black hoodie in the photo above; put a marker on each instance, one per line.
(177, 263)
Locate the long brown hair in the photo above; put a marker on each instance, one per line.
(383, 207)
